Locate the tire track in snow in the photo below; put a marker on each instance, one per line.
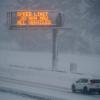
(41, 85)
(34, 84)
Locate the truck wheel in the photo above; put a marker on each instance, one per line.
(90, 92)
(73, 88)
(98, 92)
(85, 90)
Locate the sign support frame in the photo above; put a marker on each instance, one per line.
(55, 30)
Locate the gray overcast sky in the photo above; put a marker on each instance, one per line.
(82, 15)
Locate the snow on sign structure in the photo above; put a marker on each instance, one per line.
(20, 19)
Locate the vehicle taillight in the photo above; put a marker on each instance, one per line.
(92, 82)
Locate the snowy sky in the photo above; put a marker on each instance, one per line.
(82, 16)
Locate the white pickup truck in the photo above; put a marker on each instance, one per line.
(86, 85)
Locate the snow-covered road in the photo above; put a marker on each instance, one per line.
(9, 96)
(53, 95)
(39, 91)
(21, 77)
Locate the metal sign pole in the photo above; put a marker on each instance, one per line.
(54, 49)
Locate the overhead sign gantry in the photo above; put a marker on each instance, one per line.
(24, 19)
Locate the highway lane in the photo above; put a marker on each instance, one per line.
(54, 91)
